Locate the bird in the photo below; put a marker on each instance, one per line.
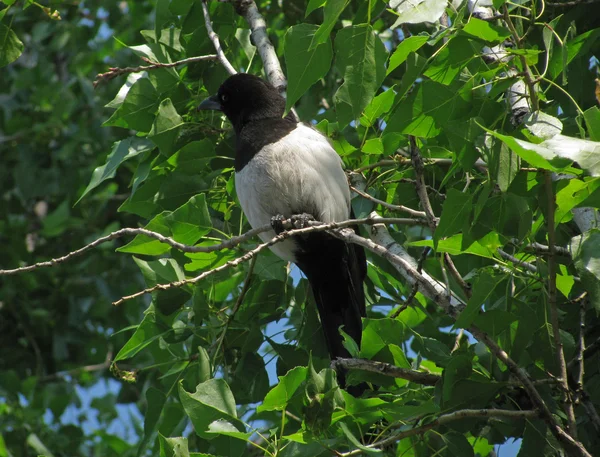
(284, 169)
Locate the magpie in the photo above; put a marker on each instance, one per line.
(285, 168)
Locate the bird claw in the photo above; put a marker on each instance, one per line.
(298, 221)
(277, 223)
(301, 221)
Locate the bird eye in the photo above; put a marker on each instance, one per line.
(223, 98)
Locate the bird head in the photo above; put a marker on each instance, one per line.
(245, 98)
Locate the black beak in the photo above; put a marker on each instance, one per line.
(211, 103)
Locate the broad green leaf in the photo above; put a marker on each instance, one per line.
(457, 208)
(486, 31)
(542, 125)
(509, 165)
(451, 60)
(357, 444)
(280, 395)
(175, 447)
(460, 367)
(305, 64)
(146, 333)
(592, 121)
(137, 109)
(379, 333)
(165, 127)
(408, 45)
(331, 12)
(373, 146)
(314, 5)
(187, 224)
(155, 399)
(585, 250)
(568, 197)
(427, 110)
(194, 157)
(360, 58)
(10, 46)
(535, 154)
(122, 150)
(482, 289)
(379, 106)
(211, 401)
(563, 56)
(484, 247)
(417, 11)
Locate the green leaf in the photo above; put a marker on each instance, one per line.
(410, 44)
(10, 46)
(155, 399)
(146, 333)
(451, 60)
(280, 395)
(456, 210)
(417, 11)
(187, 224)
(486, 31)
(332, 10)
(535, 154)
(586, 256)
(484, 247)
(427, 110)
(356, 443)
(314, 5)
(379, 106)
(305, 64)
(482, 289)
(379, 333)
(211, 401)
(360, 58)
(122, 151)
(592, 121)
(174, 447)
(137, 109)
(165, 127)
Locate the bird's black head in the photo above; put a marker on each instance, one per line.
(245, 98)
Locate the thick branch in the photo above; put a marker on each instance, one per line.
(248, 10)
(387, 369)
(215, 39)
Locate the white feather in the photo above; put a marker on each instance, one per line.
(297, 173)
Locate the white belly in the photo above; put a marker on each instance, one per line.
(285, 179)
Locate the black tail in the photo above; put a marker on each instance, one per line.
(336, 272)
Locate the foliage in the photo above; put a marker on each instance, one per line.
(370, 78)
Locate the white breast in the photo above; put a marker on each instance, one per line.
(284, 178)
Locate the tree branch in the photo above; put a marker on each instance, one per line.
(414, 213)
(248, 10)
(215, 39)
(116, 71)
(387, 369)
(560, 355)
(444, 419)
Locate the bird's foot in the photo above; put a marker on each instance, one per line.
(300, 221)
(277, 223)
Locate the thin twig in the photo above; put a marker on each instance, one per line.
(236, 307)
(417, 163)
(415, 287)
(444, 419)
(215, 40)
(116, 71)
(387, 369)
(560, 355)
(519, 263)
(464, 285)
(85, 369)
(529, 80)
(414, 213)
(580, 350)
